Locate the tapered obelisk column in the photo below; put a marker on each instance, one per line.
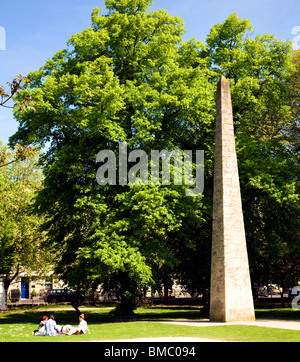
(230, 294)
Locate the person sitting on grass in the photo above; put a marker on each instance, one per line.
(82, 327)
(41, 328)
(51, 327)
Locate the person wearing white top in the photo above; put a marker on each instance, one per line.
(51, 327)
(82, 327)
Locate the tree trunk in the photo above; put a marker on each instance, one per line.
(95, 294)
(7, 282)
(166, 293)
(75, 306)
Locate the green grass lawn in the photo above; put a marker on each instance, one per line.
(17, 326)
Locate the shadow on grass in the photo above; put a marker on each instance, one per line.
(152, 314)
(165, 313)
(61, 317)
(100, 316)
(282, 313)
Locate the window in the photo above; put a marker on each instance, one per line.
(48, 284)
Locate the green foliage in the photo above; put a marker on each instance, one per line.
(20, 154)
(7, 250)
(15, 86)
(33, 293)
(20, 237)
(262, 73)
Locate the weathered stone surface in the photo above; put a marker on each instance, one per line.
(231, 295)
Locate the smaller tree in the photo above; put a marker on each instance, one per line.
(20, 154)
(18, 83)
(20, 234)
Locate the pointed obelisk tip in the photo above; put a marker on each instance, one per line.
(223, 80)
(224, 85)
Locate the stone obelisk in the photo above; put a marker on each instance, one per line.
(230, 293)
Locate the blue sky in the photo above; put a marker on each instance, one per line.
(36, 29)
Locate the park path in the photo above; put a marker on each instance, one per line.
(164, 339)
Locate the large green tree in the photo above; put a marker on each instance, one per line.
(126, 78)
(264, 94)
